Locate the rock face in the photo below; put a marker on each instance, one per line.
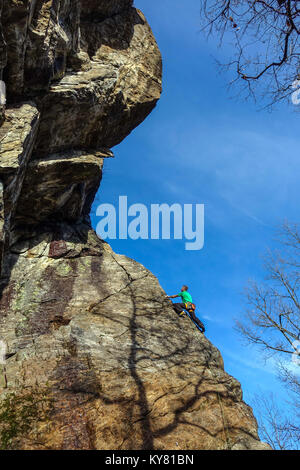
(96, 358)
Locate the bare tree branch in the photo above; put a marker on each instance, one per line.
(275, 428)
(272, 321)
(266, 37)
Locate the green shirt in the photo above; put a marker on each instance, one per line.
(186, 297)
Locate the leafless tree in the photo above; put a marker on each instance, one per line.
(275, 427)
(265, 38)
(272, 321)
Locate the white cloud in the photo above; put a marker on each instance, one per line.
(253, 361)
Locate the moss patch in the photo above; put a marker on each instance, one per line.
(18, 414)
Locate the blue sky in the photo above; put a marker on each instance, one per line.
(201, 146)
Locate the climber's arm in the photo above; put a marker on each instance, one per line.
(172, 296)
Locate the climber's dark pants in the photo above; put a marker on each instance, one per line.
(180, 307)
(197, 321)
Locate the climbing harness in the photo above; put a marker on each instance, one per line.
(190, 307)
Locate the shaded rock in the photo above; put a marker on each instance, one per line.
(45, 190)
(101, 9)
(2, 218)
(3, 51)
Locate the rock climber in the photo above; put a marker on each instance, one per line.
(186, 304)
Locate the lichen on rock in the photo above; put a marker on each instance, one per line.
(86, 329)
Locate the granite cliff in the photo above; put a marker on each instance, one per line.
(96, 358)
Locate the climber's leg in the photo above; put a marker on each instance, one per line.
(179, 308)
(197, 321)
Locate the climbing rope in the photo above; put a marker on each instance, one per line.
(225, 427)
